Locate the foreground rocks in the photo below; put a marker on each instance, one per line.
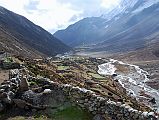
(50, 95)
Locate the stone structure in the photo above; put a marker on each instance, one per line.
(99, 106)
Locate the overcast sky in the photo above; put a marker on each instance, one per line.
(54, 15)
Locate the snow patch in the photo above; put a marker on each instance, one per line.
(147, 4)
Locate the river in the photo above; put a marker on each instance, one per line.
(133, 79)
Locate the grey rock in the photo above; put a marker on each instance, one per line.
(98, 117)
(5, 98)
(2, 90)
(11, 94)
(81, 101)
(24, 85)
(1, 107)
(5, 86)
(20, 103)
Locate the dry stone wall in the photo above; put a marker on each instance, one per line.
(99, 105)
(82, 97)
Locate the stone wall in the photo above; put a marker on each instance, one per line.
(98, 105)
(82, 97)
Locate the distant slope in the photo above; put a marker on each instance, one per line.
(150, 52)
(83, 32)
(132, 31)
(20, 35)
(124, 29)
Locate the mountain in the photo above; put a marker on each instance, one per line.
(131, 31)
(125, 28)
(18, 35)
(83, 32)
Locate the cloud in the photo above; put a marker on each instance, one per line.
(57, 14)
(109, 3)
(32, 5)
(52, 14)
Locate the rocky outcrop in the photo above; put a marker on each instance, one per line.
(16, 92)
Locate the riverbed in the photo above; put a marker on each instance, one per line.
(133, 79)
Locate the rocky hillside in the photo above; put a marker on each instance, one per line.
(126, 28)
(21, 36)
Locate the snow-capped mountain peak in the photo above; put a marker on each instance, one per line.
(125, 7)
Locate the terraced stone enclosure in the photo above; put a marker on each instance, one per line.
(39, 88)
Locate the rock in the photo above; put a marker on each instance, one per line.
(98, 117)
(145, 114)
(14, 73)
(6, 86)
(24, 85)
(81, 101)
(5, 82)
(86, 100)
(82, 106)
(90, 109)
(151, 114)
(15, 80)
(34, 110)
(46, 91)
(5, 98)
(153, 101)
(38, 89)
(11, 94)
(90, 82)
(28, 95)
(2, 90)
(114, 75)
(20, 103)
(1, 107)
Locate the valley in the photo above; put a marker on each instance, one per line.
(100, 67)
(48, 77)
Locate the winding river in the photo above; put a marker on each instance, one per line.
(133, 79)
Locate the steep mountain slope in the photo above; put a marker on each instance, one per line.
(12, 45)
(83, 32)
(26, 36)
(132, 31)
(125, 28)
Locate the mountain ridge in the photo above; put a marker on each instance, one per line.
(126, 31)
(30, 35)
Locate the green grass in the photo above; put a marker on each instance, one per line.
(97, 76)
(8, 59)
(18, 118)
(63, 67)
(72, 113)
(32, 83)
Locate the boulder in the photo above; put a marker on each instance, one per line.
(1, 107)
(46, 91)
(11, 94)
(5, 98)
(24, 85)
(20, 103)
(153, 101)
